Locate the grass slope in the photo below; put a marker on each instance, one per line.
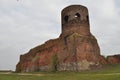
(109, 72)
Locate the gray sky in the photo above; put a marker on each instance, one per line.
(25, 24)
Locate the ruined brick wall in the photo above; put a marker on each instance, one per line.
(76, 48)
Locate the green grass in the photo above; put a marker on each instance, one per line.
(109, 72)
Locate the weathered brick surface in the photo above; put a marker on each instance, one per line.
(76, 48)
(114, 59)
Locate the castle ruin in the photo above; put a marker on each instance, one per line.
(76, 49)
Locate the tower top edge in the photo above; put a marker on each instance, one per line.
(76, 6)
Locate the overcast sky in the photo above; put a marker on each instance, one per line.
(25, 24)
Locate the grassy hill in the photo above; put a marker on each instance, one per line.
(108, 72)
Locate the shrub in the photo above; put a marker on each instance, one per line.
(54, 63)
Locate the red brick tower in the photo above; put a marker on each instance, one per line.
(75, 18)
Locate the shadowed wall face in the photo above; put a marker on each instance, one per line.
(75, 18)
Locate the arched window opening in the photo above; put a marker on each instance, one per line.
(87, 18)
(66, 18)
(77, 15)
